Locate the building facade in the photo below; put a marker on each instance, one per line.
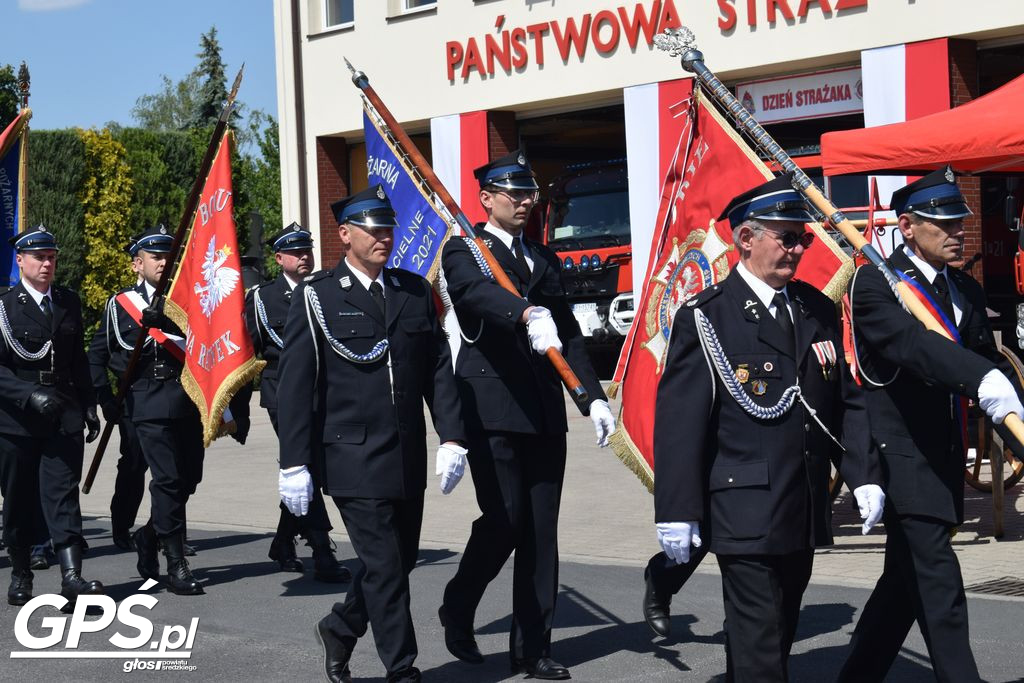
(578, 82)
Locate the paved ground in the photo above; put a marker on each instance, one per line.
(255, 623)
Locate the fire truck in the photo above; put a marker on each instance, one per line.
(587, 225)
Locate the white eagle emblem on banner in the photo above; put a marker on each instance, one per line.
(220, 280)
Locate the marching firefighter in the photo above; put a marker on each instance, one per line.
(165, 418)
(266, 310)
(46, 401)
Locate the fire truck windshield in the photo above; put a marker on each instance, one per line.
(589, 220)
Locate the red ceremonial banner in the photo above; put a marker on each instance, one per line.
(207, 301)
(691, 250)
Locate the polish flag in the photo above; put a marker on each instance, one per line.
(902, 82)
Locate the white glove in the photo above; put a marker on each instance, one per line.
(543, 333)
(997, 397)
(870, 502)
(450, 465)
(295, 487)
(677, 537)
(604, 423)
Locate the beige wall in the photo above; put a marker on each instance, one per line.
(405, 57)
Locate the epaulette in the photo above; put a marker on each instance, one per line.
(318, 275)
(5, 289)
(704, 296)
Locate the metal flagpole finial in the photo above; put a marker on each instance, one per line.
(358, 77)
(680, 42)
(24, 81)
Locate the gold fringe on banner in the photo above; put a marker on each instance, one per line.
(626, 451)
(239, 377)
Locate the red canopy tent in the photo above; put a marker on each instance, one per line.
(984, 135)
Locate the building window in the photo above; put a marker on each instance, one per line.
(415, 4)
(337, 12)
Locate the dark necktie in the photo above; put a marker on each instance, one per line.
(517, 249)
(782, 317)
(377, 294)
(47, 309)
(941, 286)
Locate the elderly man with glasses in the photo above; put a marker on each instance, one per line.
(754, 403)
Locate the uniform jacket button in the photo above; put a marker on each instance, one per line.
(482, 371)
(730, 480)
(807, 427)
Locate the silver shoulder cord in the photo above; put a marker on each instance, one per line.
(716, 354)
(261, 314)
(112, 325)
(481, 263)
(314, 312)
(14, 345)
(853, 340)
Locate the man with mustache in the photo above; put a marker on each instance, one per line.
(754, 402)
(917, 382)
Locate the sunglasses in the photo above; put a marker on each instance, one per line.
(789, 240)
(519, 196)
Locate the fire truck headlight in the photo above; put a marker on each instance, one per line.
(568, 264)
(584, 262)
(595, 261)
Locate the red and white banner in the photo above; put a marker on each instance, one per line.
(902, 82)
(809, 96)
(690, 251)
(458, 144)
(653, 125)
(207, 301)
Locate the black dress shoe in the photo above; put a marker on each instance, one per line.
(42, 557)
(459, 641)
(410, 675)
(72, 584)
(282, 551)
(179, 575)
(337, 652)
(656, 608)
(326, 567)
(20, 590)
(543, 668)
(145, 543)
(122, 538)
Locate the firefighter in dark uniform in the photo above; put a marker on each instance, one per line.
(915, 380)
(363, 349)
(754, 401)
(166, 421)
(266, 309)
(130, 484)
(46, 400)
(515, 412)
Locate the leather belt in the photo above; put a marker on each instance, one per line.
(161, 371)
(47, 378)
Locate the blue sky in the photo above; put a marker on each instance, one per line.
(91, 59)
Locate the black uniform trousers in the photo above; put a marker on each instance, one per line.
(518, 482)
(130, 484)
(920, 581)
(173, 449)
(385, 533)
(667, 576)
(43, 472)
(316, 519)
(762, 595)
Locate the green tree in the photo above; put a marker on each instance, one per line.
(106, 196)
(56, 173)
(10, 95)
(173, 108)
(213, 89)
